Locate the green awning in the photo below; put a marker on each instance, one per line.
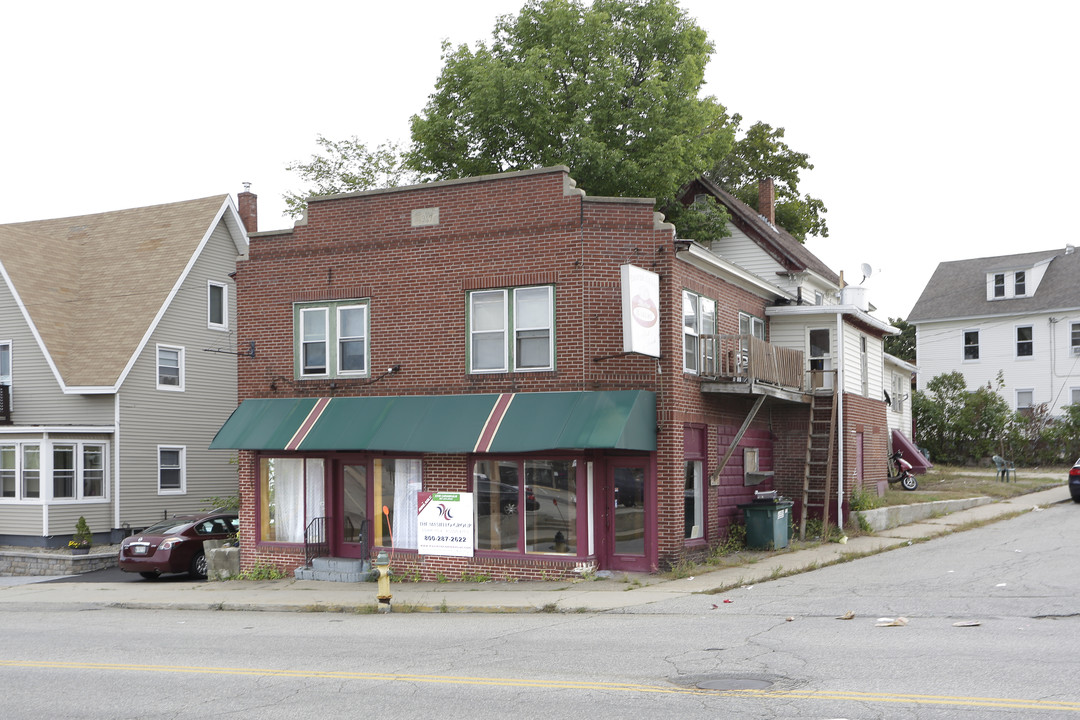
(506, 423)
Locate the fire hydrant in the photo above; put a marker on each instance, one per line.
(382, 567)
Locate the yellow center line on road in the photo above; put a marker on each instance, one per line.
(852, 695)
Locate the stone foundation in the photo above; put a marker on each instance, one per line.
(30, 563)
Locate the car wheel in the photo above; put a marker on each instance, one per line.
(197, 568)
(1076, 498)
(909, 483)
(510, 508)
(150, 575)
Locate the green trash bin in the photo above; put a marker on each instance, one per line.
(767, 523)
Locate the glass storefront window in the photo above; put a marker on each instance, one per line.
(526, 505)
(497, 505)
(291, 493)
(396, 486)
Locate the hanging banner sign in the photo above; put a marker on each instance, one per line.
(444, 524)
(640, 310)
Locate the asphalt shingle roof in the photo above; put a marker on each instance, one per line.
(958, 288)
(92, 284)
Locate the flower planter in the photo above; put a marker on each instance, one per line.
(80, 551)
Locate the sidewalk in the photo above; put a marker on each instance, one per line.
(622, 591)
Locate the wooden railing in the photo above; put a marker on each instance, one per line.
(745, 358)
(5, 404)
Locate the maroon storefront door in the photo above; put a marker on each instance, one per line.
(349, 528)
(625, 517)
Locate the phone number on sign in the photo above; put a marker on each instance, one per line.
(444, 538)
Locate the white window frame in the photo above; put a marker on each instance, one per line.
(1030, 342)
(182, 450)
(864, 366)
(179, 387)
(964, 345)
(1030, 391)
(1074, 338)
(703, 308)
(998, 288)
(339, 338)
(1074, 396)
(1019, 283)
(328, 315)
(518, 327)
(698, 490)
(210, 287)
(508, 334)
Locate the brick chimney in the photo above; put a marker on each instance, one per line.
(766, 200)
(249, 208)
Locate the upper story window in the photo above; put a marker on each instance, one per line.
(750, 325)
(1012, 284)
(170, 368)
(1024, 344)
(332, 339)
(217, 306)
(819, 297)
(999, 285)
(971, 344)
(699, 318)
(1020, 283)
(1075, 341)
(864, 366)
(511, 328)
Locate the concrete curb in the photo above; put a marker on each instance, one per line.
(886, 518)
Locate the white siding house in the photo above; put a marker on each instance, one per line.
(110, 398)
(1015, 318)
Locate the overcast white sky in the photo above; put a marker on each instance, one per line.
(939, 130)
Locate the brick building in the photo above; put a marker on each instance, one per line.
(579, 373)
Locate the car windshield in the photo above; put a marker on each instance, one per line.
(166, 527)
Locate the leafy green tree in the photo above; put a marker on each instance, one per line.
(609, 89)
(347, 166)
(957, 425)
(902, 345)
(759, 154)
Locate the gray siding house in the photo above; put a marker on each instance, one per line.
(108, 398)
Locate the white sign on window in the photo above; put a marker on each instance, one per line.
(445, 524)
(641, 310)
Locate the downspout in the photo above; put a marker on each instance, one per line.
(116, 459)
(840, 419)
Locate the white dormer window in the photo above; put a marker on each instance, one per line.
(1013, 284)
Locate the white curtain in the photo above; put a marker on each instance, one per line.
(287, 478)
(316, 495)
(407, 485)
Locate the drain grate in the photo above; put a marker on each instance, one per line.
(735, 683)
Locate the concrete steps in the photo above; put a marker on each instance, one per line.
(336, 570)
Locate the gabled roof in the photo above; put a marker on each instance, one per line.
(788, 251)
(958, 288)
(93, 287)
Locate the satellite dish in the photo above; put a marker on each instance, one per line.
(867, 271)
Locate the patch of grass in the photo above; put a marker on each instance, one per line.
(550, 608)
(477, 577)
(950, 482)
(262, 571)
(863, 499)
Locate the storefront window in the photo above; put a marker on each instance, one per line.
(397, 484)
(291, 495)
(526, 506)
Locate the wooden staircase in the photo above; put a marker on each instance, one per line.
(818, 472)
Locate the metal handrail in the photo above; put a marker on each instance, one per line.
(315, 541)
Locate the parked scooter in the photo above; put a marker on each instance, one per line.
(900, 471)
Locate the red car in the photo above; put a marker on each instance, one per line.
(176, 545)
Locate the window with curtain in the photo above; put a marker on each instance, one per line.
(396, 486)
(291, 495)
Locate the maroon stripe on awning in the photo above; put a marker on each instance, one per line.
(487, 435)
(309, 422)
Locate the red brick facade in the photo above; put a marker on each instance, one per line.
(513, 230)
